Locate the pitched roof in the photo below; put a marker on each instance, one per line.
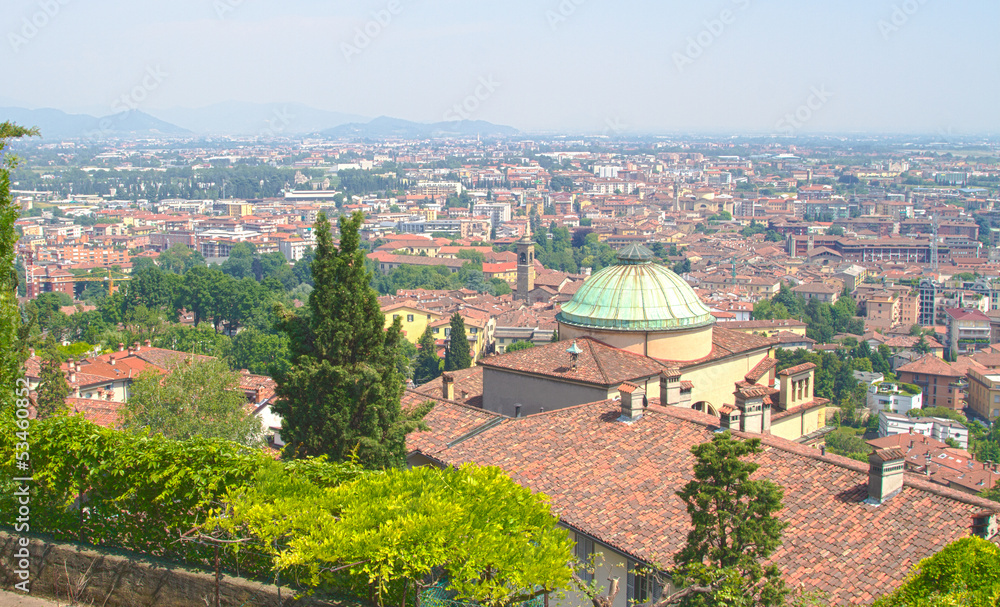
(797, 369)
(930, 365)
(617, 482)
(468, 386)
(598, 364)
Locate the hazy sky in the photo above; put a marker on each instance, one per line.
(585, 65)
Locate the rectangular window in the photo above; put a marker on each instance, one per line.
(643, 585)
(584, 548)
(409, 318)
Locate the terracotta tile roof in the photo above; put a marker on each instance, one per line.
(766, 324)
(599, 363)
(101, 412)
(468, 386)
(816, 402)
(617, 482)
(964, 314)
(939, 463)
(762, 369)
(930, 365)
(787, 337)
(797, 369)
(726, 343)
(447, 421)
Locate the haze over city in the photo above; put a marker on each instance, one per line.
(575, 65)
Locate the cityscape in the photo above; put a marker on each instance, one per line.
(732, 338)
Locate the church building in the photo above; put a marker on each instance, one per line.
(639, 325)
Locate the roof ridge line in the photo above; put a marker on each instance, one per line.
(597, 361)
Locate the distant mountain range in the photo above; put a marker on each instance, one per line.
(249, 119)
(56, 124)
(385, 127)
(242, 119)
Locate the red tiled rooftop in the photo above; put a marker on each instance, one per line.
(617, 482)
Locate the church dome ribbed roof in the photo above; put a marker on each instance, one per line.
(636, 295)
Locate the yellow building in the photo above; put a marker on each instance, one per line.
(984, 394)
(415, 319)
(237, 209)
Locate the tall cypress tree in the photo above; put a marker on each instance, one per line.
(342, 391)
(428, 365)
(457, 357)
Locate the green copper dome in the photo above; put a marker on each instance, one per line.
(636, 295)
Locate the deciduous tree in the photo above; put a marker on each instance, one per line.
(964, 573)
(196, 398)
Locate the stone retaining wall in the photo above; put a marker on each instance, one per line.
(76, 573)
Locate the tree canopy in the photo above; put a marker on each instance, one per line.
(13, 332)
(457, 356)
(734, 528)
(342, 391)
(964, 573)
(391, 533)
(197, 398)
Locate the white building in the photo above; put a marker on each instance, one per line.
(498, 212)
(890, 424)
(890, 397)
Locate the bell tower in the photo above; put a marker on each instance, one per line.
(525, 265)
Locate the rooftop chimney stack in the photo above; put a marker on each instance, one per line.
(148, 343)
(121, 347)
(885, 474)
(631, 401)
(448, 386)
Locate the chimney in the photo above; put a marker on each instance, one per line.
(448, 386)
(670, 388)
(111, 359)
(72, 375)
(631, 401)
(121, 347)
(136, 346)
(148, 343)
(885, 474)
(822, 449)
(130, 351)
(31, 352)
